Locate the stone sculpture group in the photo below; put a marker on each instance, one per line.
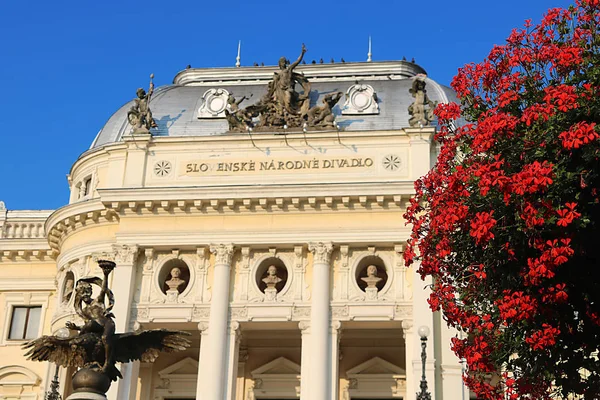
(282, 106)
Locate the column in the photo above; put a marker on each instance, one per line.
(336, 335)
(408, 333)
(241, 375)
(233, 351)
(123, 287)
(201, 383)
(320, 378)
(214, 366)
(451, 386)
(305, 364)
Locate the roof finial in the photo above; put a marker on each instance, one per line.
(369, 59)
(238, 58)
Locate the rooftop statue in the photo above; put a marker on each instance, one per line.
(284, 87)
(421, 110)
(97, 348)
(140, 115)
(282, 106)
(237, 118)
(323, 115)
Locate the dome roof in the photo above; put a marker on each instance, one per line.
(175, 107)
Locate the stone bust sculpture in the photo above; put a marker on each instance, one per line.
(371, 279)
(271, 279)
(175, 282)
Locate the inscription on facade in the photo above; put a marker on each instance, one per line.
(333, 164)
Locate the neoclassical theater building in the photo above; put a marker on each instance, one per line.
(262, 213)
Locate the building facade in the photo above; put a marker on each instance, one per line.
(280, 249)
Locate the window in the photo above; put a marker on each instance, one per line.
(25, 323)
(87, 185)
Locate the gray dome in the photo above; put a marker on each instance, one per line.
(175, 107)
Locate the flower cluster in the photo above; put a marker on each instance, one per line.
(506, 222)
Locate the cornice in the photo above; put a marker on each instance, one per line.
(376, 237)
(347, 191)
(74, 216)
(262, 204)
(20, 255)
(114, 204)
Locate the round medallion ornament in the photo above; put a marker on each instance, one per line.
(214, 103)
(162, 168)
(360, 99)
(391, 162)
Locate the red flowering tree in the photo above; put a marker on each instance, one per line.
(507, 223)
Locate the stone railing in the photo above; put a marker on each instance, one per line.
(23, 224)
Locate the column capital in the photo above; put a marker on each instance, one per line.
(222, 252)
(321, 251)
(234, 328)
(203, 328)
(336, 325)
(304, 327)
(407, 327)
(125, 254)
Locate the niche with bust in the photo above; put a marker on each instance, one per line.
(174, 277)
(371, 274)
(67, 288)
(271, 277)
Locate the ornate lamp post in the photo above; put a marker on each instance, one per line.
(423, 394)
(53, 393)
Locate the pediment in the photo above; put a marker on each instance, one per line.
(187, 366)
(279, 366)
(376, 366)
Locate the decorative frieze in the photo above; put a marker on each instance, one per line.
(200, 312)
(239, 312)
(300, 312)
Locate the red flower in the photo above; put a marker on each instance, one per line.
(481, 227)
(579, 134)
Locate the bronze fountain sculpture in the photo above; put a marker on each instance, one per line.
(97, 348)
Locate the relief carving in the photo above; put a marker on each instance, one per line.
(125, 254)
(223, 253)
(360, 99)
(321, 252)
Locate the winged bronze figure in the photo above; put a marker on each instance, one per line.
(97, 346)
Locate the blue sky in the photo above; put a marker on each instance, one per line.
(66, 66)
